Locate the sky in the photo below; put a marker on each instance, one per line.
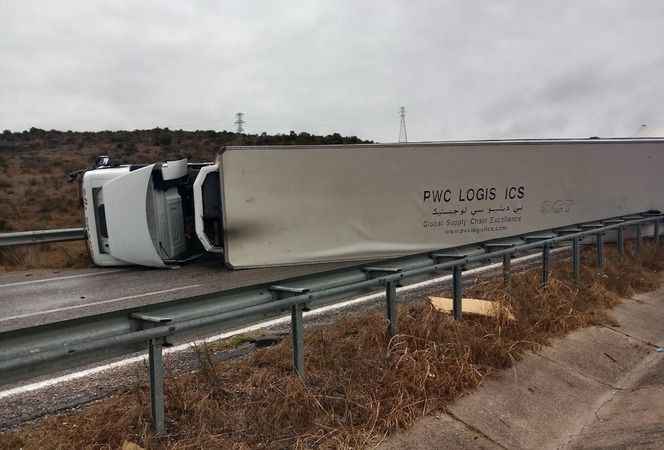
(463, 69)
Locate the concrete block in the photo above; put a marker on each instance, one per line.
(528, 406)
(598, 352)
(631, 420)
(440, 432)
(641, 318)
(654, 372)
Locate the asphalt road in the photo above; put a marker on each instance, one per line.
(38, 297)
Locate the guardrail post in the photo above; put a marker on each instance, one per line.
(297, 331)
(457, 292)
(637, 249)
(546, 262)
(507, 269)
(297, 324)
(391, 303)
(576, 259)
(156, 368)
(600, 251)
(390, 295)
(657, 232)
(621, 241)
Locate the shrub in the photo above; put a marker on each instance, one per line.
(5, 226)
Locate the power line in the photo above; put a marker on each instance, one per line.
(239, 121)
(403, 134)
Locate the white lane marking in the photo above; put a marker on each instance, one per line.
(67, 277)
(286, 319)
(88, 305)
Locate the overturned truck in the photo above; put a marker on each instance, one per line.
(285, 205)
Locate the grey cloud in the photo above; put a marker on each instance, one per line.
(607, 102)
(462, 69)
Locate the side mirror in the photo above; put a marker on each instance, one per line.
(102, 161)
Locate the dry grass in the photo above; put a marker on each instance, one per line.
(44, 256)
(360, 385)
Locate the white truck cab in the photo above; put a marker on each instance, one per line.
(146, 215)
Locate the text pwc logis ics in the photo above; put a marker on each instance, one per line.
(470, 194)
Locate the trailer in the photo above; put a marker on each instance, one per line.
(286, 205)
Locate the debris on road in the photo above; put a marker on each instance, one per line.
(473, 306)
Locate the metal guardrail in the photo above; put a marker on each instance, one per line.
(74, 342)
(41, 236)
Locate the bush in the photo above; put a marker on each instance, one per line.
(162, 137)
(5, 226)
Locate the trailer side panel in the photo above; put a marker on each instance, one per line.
(298, 205)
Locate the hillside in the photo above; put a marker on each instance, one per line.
(37, 193)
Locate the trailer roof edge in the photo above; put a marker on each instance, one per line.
(463, 143)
